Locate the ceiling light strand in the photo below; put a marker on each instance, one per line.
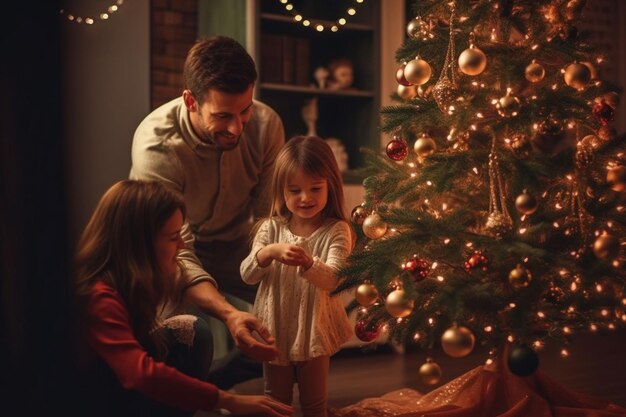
(102, 16)
(319, 25)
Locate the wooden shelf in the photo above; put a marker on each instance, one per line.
(314, 90)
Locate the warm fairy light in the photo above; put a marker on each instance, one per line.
(554, 86)
(306, 23)
(319, 28)
(475, 170)
(440, 278)
(593, 327)
(434, 265)
(289, 7)
(334, 28)
(556, 225)
(413, 174)
(488, 329)
(611, 326)
(416, 337)
(623, 317)
(624, 301)
(567, 330)
(284, 1)
(469, 244)
(431, 321)
(444, 207)
(489, 361)
(541, 314)
(564, 353)
(558, 206)
(297, 18)
(604, 312)
(510, 338)
(429, 183)
(451, 110)
(494, 101)
(534, 47)
(411, 164)
(522, 230)
(573, 286)
(619, 208)
(480, 115)
(494, 36)
(399, 320)
(473, 127)
(351, 11)
(446, 241)
(571, 309)
(599, 288)
(341, 21)
(523, 217)
(512, 305)
(538, 344)
(475, 83)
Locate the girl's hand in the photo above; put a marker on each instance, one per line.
(289, 254)
(253, 404)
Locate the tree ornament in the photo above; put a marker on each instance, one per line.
(523, 361)
(590, 141)
(519, 277)
(534, 72)
(424, 146)
(397, 149)
(604, 112)
(611, 98)
(616, 177)
(365, 331)
(508, 106)
(498, 225)
(472, 61)
(416, 28)
(477, 260)
(554, 294)
(444, 91)
(607, 132)
(584, 156)
(458, 341)
(417, 268)
(548, 136)
(358, 215)
(417, 71)
(573, 9)
(400, 78)
(397, 305)
(366, 294)
(429, 372)
(406, 92)
(374, 226)
(520, 145)
(526, 203)
(577, 75)
(606, 247)
(592, 70)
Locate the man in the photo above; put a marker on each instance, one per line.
(216, 146)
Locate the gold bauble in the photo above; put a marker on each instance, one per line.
(416, 27)
(444, 94)
(573, 9)
(534, 72)
(590, 141)
(526, 203)
(400, 76)
(406, 92)
(611, 98)
(358, 215)
(519, 277)
(472, 61)
(606, 247)
(374, 227)
(508, 106)
(429, 372)
(607, 132)
(584, 156)
(366, 294)
(498, 225)
(616, 177)
(417, 72)
(397, 305)
(424, 146)
(577, 75)
(457, 341)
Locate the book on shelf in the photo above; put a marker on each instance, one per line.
(271, 58)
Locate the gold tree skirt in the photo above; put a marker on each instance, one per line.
(486, 391)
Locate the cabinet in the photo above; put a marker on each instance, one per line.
(288, 53)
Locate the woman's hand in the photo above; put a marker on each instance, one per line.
(250, 336)
(253, 404)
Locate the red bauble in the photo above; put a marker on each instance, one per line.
(604, 112)
(397, 149)
(477, 260)
(400, 78)
(417, 268)
(366, 331)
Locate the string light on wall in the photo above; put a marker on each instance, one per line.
(320, 26)
(71, 17)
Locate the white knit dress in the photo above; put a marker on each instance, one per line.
(296, 305)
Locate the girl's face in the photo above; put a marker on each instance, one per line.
(167, 244)
(305, 196)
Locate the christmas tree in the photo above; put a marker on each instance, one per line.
(497, 213)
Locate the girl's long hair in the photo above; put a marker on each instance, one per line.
(117, 247)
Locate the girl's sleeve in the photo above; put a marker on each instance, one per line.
(110, 335)
(250, 270)
(324, 274)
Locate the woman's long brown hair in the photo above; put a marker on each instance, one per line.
(117, 247)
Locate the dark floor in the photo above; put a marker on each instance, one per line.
(596, 366)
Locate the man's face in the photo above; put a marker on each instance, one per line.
(221, 118)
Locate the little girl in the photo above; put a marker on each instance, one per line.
(309, 239)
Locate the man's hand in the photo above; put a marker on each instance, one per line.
(250, 336)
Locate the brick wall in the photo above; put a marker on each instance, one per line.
(174, 27)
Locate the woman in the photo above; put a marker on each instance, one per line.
(126, 271)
